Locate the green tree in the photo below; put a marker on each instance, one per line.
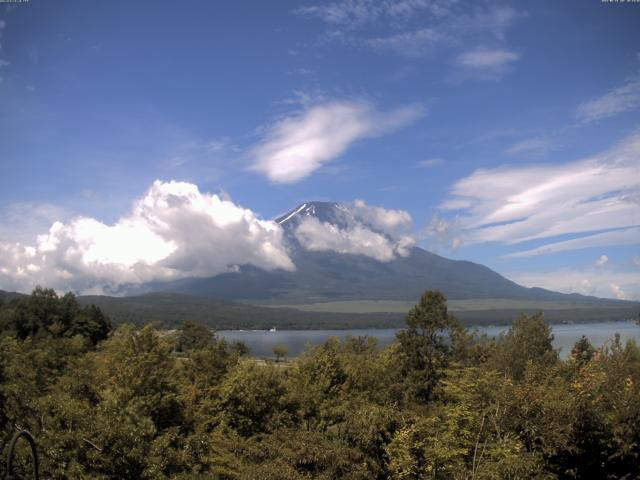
(193, 336)
(426, 344)
(252, 399)
(582, 351)
(316, 383)
(43, 314)
(529, 339)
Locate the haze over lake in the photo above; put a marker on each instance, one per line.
(261, 342)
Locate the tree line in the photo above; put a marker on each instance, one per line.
(441, 402)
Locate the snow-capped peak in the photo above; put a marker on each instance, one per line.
(326, 212)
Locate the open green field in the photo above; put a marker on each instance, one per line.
(401, 306)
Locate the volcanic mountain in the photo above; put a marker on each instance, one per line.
(342, 274)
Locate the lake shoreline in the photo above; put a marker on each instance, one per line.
(262, 342)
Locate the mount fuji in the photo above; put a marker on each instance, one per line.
(355, 268)
(339, 274)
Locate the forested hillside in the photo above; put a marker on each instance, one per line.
(439, 403)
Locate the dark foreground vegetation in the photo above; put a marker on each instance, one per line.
(439, 403)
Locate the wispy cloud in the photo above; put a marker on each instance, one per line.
(355, 13)
(485, 58)
(451, 29)
(530, 146)
(430, 162)
(3, 63)
(415, 43)
(416, 28)
(619, 100)
(595, 199)
(625, 236)
(298, 145)
(485, 63)
(221, 145)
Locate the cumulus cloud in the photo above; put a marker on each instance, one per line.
(594, 200)
(619, 100)
(360, 229)
(387, 220)
(315, 235)
(297, 145)
(602, 261)
(174, 231)
(607, 284)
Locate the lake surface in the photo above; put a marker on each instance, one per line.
(261, 342)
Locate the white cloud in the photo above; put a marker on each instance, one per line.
(444, 233)
(596, 282)
(383, 219)
(636, 260)
(627, 236)
(315, 235)
(454, 27)
(602, 261)
(621, 99)
(3, 62)
(484, 64)
(298, 145)
(596, 197)
(359, 229)
(529, 145)
(619, 292)
(413, 43)
(484, 58)
(174, 231)
(412, 28)
(430, 162)
(355, 13)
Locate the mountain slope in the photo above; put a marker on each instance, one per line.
(170, 310)
(329, 276)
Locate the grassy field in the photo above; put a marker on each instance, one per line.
(395, 306)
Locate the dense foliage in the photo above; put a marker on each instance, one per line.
(440, 403)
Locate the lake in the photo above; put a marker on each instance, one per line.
(261, 342)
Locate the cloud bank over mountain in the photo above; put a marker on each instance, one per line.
(175, 231)
(361, 229)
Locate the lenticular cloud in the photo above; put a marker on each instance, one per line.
(173, 232)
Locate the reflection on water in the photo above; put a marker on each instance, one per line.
(261, 342)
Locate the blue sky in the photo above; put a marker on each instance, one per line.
(509, 131)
